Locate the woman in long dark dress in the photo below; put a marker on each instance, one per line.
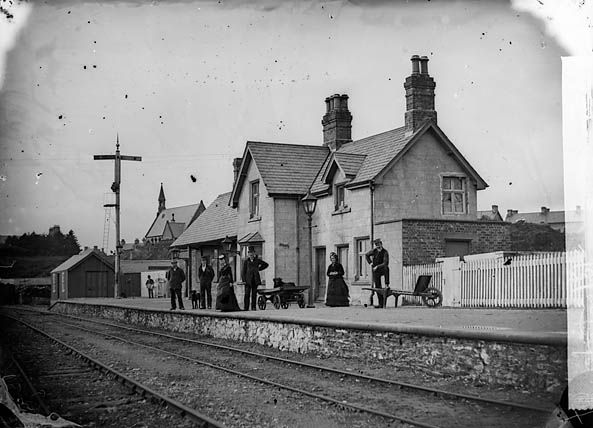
(226, 301)
(337, 290)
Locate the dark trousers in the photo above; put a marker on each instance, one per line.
(205, 295)
(250, 291)
(377, 274)
(150, 293)
(176, 292)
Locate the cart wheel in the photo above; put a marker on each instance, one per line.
(261, 303)
(301, 301)
(276, 301)
(433, 297)
(284, 305)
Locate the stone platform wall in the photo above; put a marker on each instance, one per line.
(531, 367)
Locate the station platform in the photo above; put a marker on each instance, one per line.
(536, 326)
(522, 349)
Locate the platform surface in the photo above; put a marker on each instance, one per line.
(529, 323)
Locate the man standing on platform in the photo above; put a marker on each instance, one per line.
(150, 287)
(205, 276)
(175, 276)
(378, 257)
(250, 276)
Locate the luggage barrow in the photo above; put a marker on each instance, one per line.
(281, 297)
(431, 296)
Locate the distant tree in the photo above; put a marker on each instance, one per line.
(72, 245)
(536, 237)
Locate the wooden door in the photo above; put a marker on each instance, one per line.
(320, 274)
(96, 284)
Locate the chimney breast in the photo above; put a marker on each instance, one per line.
(419, 88)
(337, 122)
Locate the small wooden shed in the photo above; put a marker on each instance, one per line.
(87, 274)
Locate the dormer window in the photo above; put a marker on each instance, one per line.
(339, 197)
(254, 199)
(454, 195)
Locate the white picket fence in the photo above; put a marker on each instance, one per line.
(540, 280)
(410, 276)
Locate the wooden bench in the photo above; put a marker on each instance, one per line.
(432, 297)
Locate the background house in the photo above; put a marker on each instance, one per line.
(490, 215)
(134, 275)
(557, 220)
(87, 274)
(169, 223)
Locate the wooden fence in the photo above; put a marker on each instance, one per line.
(540, 280)
(411, 273)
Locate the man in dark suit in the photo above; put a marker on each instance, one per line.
(175, 276)
(205, 276)
(250, 276)
(378, 258)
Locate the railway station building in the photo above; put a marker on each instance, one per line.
(409, 186)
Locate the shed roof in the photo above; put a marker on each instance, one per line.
(76, 259)
(218, 221)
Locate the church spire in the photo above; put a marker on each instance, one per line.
(161, 200)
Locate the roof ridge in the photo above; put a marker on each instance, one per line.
(289, 144)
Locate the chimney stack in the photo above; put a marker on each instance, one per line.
(494, 209)
(236, 168)
(337, 122)
(419, 88)
(545, 210)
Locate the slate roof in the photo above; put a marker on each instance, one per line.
(184, 214)
(552, 217)
(285, 169)
(349, 162)
(79, 258)
(380, 150)
(176, 228)
(218, 221)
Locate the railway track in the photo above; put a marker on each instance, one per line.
(61, 379)
(387, 399)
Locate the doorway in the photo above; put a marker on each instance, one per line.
(319, 275)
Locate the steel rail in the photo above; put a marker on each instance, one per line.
(203, 420)
(32, 388)
(324, 368)
(264, 381)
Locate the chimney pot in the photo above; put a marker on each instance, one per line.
(509, 213)
(424, 65)
(494, 208)
(545, 210)
(415, 64)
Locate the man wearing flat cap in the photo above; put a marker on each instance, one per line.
(378, 258)
(175, 276)
(250, 276)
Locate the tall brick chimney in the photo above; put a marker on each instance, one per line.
(337, 122)
(419, 94)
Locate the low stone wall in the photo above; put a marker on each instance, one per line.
(527, 366)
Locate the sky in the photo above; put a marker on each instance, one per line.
(186, 83)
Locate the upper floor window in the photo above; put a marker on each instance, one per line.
(254, 199)
(339, 197)
(454, 195)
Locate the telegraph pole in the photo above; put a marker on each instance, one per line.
(115, 187)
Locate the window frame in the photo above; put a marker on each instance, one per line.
(254, 200)
(451, 192)
(362, 268)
